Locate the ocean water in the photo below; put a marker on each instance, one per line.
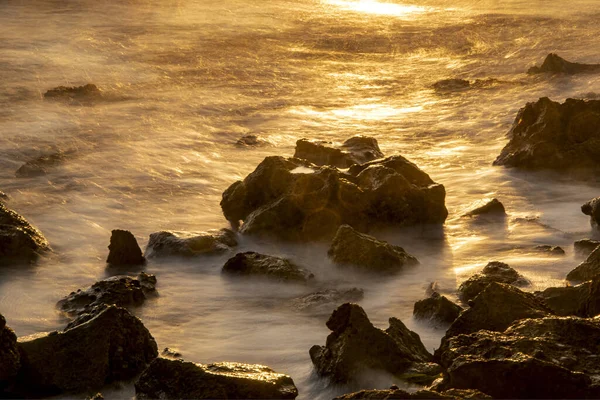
(184, 79)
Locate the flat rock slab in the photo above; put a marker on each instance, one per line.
(190, 244)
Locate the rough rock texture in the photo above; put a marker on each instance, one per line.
(558, 65)
(10, 359)
(190, 244)
(494, 271)
(561, 137)
(585, 246)
(437, 308)
(19, 241)
(592, 208)
(123, 291)
(490, 208)
(177, 379)
(124, 249)
(356, 150)
(550, 250)
(567, 300)
(295, 200)
(326, 299)
(42, 165)
(79, 93)
(395, 393)
(108, 344)
(256, 264)
(356, 346)
(350, 247)
(553, 357)
(587, 269)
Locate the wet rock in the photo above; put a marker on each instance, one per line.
(42, 165)
(251, 263)
(190, 244)
(356, 150)
(350, 247)
(3, 196)
(592, 208)
(396, 393)
(567, 300)
(170, 353)
(19, 241)
(107, 345)
(552, 357)
(325, 299)
(177, 379)
(437, 308)
(591, 307)
(10, 359)
(451, 85)
(557, 65)
(124, 249)
(494, 271)
(251, 141)
(550, 250)
(356, 346)
(585, 246)
(491, 208)
(292, 199)
(71, 93)
(123, 291)
(587, 269)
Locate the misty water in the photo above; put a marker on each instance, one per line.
(184, 79)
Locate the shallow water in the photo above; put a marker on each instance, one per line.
(185, 79)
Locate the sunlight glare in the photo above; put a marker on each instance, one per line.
(377, 7)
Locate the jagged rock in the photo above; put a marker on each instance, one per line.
(592, 208)
(567, 300)
(177, 379)
(10, 359)
(41, 165)
(561, 137)
(190, 244)
(356, 150)
(491, 208)
(585, 246)
(549, 249)
(170, 353)
(80, 93)
(587, 269)
(355, 346)
(553, 357)
(19, 241)
(124, 249)
(350, 247)
(437, 308)
(256, 264)
(106, 345)
(558, 65)
(123, 291)
(395, 393)
(494, 271)
(251, 141)
(325, 299)
(295, 200)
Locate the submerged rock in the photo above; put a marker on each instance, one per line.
(451, 85)
(356, 346)
(19, 241)
(396, 393)
(10, 359)
(437, 308)
(190, 244)
(122, 291)
(325, 299)
(491, 208)
(178, 379)
(585, 246)
(592, 208)
(494, 271)
(587, 269)
(42, 165)
(251, 141)
(356, 150)
(106, 345)
(350, 247)
(124, 249)
(256, 264)
(80, 93)
(549, 249)
(557, 65)
(554, 136)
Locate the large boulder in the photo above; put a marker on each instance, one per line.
(124, 249)
(592, 208)
(327, 299)
(494, 271)
(437, 308)
(555, 64)
(19, 241)
(549, 135)
(122, 291)
(106, 345)
(251, 263)
(356, 150)
(10, 359)
(190, 244)
(356, 346)
(587, 269)
(178, 379)
(350, 247)
(293, 199)
(396, 393)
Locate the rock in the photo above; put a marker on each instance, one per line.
(491, 208)
(122, 291)
(251, 141)
(350, 247)
(567, 300)
(97, 396)
(42, 165)
(190, 244)
(356, 150)
(10, 359)
(587, 269)
(550, 250)
(451, 85)
(560, 137)
(294, 200)
(177, 379)
(325, 299)
(585, 246)
(437, 308)
(552, 357)
(124, 249)
(71, 93)
(107, 345)
(591, 307)
(592, 208)
(256, 264)
(170, 353)
(558, 65)
(395, 393)
(494, 271)
(356, 346)
(3, 196)
(19, 241)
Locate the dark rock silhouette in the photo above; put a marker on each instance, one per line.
(19, 240)
(494, 271)
(458, 85)
(490, 208)
(255, 264)
(356, 150)
(190, 244)
(10, 359)
(557, 65)
(80, 93)
(587, 269)
(124, 249)
(437, 308)
(592, 208)
(585, 246)
(567, 300)
(550, 250)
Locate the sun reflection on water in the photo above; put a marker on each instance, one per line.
(377, 7)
